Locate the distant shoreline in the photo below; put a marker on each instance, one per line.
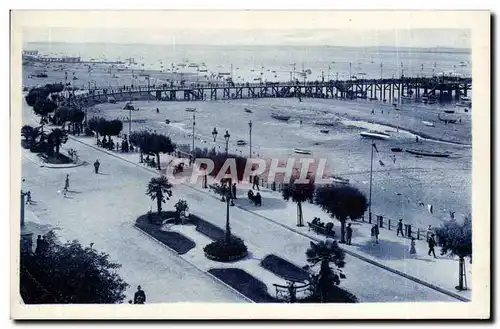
(442, 50)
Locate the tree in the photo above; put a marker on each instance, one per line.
(73, 274)
(159, 189)
(76, 118)
(341, 202)
(326, 253)
(57, 137)
(96, 124)
(44, 107)
(156, 144)
(36, 94)
(137, 139)
(30, 134)
(456, 239)
(181, 207)
(298, 193)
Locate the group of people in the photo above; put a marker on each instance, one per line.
(42, 245)
(256, 198)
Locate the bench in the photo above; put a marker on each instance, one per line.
(321, 229)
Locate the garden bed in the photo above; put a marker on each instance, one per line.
(206, 228)
(156, 218)
(284, 268)
(174, 240)
(244, 283)
(55, 158)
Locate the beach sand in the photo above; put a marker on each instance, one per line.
(401, 189)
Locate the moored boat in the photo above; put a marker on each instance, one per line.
(324, 131)
(248, 110)
(241, 142)
(427, 123)
(280, 117)
(428, 153)
(375, 134)
(302, 151)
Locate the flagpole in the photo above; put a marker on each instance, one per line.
(370, 201)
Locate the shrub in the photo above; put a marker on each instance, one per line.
(226, 251)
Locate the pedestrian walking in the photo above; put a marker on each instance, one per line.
(66, 184)
(413, 251)
(375, 233)
(139, 296)
(255, 183)
(430, 231)
(28, 197)
(432, 244)
(233, 190)
(97, 164)
(400, 228)
(348, 232)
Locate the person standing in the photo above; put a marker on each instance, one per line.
(413, 251)
(429, 233)
(348, 234)
(66, 184)
(400, 228)
(375, 233)
(139, 296)
(96, 166)
(233, 190)
(256, 183)
(432, 244)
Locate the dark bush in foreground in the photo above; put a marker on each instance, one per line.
(70, 274)
(244, 283)
(226, 251)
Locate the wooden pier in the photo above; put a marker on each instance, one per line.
(442, 89)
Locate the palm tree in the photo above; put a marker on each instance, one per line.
(326, 253)
(456, 239)
(159, 189)
(57, 137)
(341, 202)
(298, 193)
(30, 134)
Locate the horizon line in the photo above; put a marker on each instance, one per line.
(247, 44)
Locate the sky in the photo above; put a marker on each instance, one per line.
(422, 38)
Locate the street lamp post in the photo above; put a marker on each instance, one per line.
(250, 126)
(370, 198)
(194, 124)
(226, 138)
(381, 70)
(214, 133)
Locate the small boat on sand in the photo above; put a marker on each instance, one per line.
(340, 180)
(449, 111)
(190, 109)
(375, 134)
(326, 124)
(428, 153)
(280, 117)
(428, 124)
(302, 151)
(248, 110)
(324, 131)
(396, 149)
(241, 142)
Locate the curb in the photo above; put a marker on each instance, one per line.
(397, 272)
(196, 267)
